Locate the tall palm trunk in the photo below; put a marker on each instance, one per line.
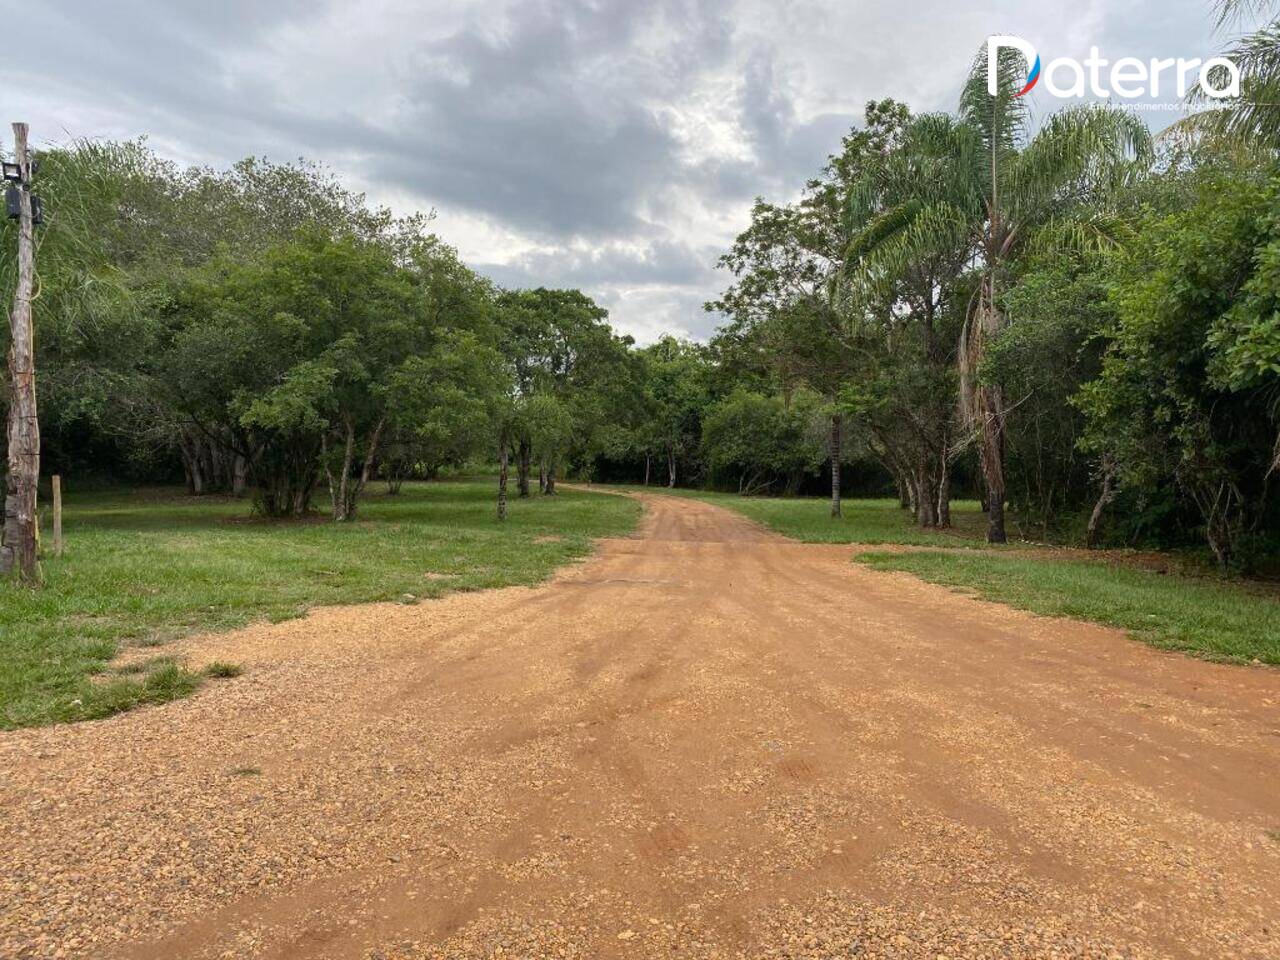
(985, 409)
(988, 402)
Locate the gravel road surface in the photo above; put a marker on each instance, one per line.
(706, 741)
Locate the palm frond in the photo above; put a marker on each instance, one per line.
(903, 237)
(1084, 230)
(1255, 115)
(1011, 113)
(1082, 151)
(1233, 11)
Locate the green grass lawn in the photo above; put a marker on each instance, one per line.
(149, 565)
(1220, 620)
(1216, 620)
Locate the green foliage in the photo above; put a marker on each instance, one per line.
(764, 440)
(574, 378)
(676, 394)
(1188, 388)
(1057, 310)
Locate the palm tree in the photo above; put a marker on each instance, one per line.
(983, 181)
(1253, 118)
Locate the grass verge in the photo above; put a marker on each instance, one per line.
(1219, 621)
(1205, 617)
(150, 565)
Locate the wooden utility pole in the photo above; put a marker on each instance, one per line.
(18, 556)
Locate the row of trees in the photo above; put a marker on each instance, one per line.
(1085, 315)
(267, 331)
(1070, 321)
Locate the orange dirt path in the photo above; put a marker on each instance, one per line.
(706, 741)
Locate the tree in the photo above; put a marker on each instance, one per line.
(1053, 347)
(996, 188)
(1253, 118)
(676, 394)
(763, 439)
(1189, 390)
(315, 347)
(788, 313)
(572, 378)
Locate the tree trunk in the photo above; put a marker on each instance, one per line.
(550, 489)
(542, 475)
(339, 497)
(239, 475)
(991, 397)
(991, 453)
(18, 556)
(1095, 518)
(671, 467)
(190, 468)
(522, 468)
(219, 476)
(648, 460)
(836, 449)
(503, 455)
(944, 493)
(926, 500)
(366, 472)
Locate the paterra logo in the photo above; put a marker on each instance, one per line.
(1127, 78)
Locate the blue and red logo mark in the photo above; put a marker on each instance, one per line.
(1032, 78)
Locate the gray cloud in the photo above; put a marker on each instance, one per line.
(608, 144)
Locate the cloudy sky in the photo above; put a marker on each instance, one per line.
(614, 145)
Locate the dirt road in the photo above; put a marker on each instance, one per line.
(704, 742)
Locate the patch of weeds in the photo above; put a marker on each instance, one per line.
(142, 666)
(163, 681)
(247, 772)
(169, 682)
(221, 670)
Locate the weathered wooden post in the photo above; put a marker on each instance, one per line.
(57, 515)
(18, 553)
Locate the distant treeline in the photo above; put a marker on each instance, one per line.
(1072, 323)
